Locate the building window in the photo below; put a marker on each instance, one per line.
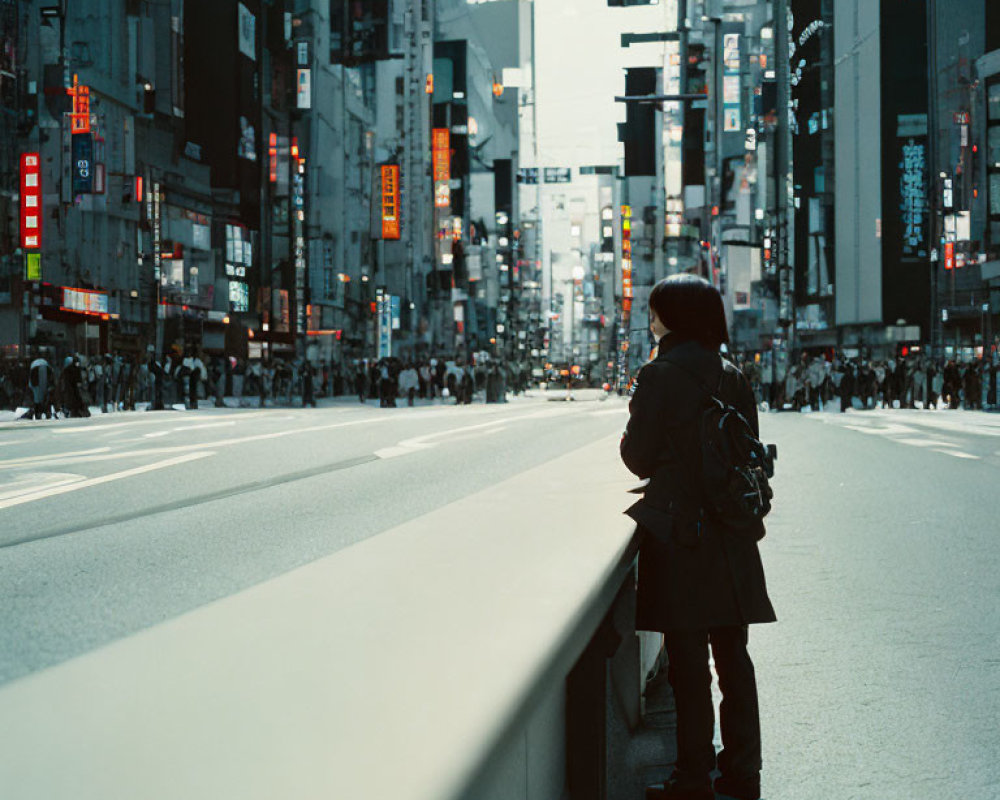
(239, 296)
(993, 102)
(993, 157)
(992, 26)
(239, 260)
(993, 150)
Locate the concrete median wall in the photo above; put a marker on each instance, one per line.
(430, 661)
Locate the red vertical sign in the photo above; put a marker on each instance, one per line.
(390, 201)
(627, 291)
(79, 120)
(949, 255)
(31, 201)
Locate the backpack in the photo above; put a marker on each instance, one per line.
(735, 464)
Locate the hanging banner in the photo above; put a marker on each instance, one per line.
(390, 201)
(31, 201)
(246, 24)
(304, 93)
(383, 308)
(913, 196)
(627, 289)
(395, 312)
(83, 163)
(84, 301)
(949, 255)
(441, 159)
(732, 118)
(79, 119)
(33, 266)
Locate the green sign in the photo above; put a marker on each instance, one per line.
(33, 267)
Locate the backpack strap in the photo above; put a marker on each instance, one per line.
(713, 393)
(697, 489)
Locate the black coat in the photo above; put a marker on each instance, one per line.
(694, 573)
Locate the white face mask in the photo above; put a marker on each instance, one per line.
(657, 328)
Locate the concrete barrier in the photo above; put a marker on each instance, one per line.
(447, 658)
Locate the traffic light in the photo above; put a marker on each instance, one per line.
(637, 132)
(359, 31)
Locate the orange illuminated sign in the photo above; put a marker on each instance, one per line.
(627, 292)
(272, 155)
(79, 120)
(441, 159)
(85, 301)
(390, 201)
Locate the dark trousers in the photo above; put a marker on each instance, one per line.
(691, 679)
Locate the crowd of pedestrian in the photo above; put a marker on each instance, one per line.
(914, 381)
(70, 386)
(455, 380)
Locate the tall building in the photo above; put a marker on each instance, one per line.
(474, 292)
(100, 97)
(964, 111)
(883, 241)
(15, 117)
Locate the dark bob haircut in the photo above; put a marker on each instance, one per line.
(691, 306)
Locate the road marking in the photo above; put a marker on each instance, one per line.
(415, 445)
(927, 443)
(160, 434)
(957, 454)
(31, 482)
(419, 443)
(52, 491)
(102, 426)
(183, 448)
(36, 459)
(203, 426)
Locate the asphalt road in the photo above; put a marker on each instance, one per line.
(115, 523)
(881, 679)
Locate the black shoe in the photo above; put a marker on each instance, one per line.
(677, 788)
(736, 790)
(666, 793)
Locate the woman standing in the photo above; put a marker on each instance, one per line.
(701, 582)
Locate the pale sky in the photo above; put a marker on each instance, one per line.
(579, 65)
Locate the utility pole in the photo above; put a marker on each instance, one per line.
(936, 333)
(782, 162)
